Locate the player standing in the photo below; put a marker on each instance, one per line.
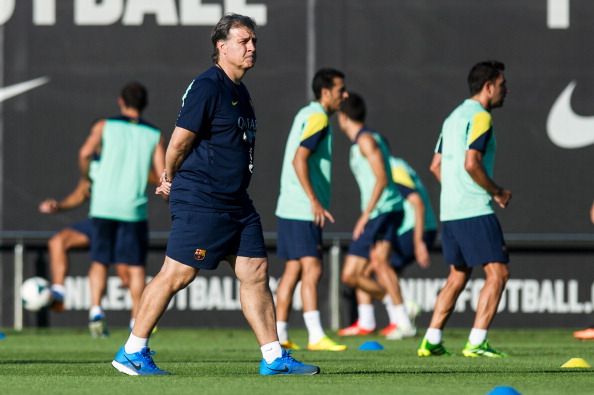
(302, 208)
(471, 234)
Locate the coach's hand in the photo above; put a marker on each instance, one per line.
(320, 214)
(164, 188)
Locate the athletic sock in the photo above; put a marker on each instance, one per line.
(59, 289)
(271, 351)
(366, 316)
(282, 331)
(433, 335)
(314, 326)
(399, 316)
(477, 336)
(135, 344)
(95, 311)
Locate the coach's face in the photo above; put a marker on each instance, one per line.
(239, 49)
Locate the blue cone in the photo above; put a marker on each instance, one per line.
(371, 346)
(2, 336)
(504, 390)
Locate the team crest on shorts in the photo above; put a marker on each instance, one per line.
(199, 254)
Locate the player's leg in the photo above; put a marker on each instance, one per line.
(58, 247)
(135, 357)
(310, 278)
(130, 250)
(444, 306)
(124, 274)
(388, 279)
(496, 276)
(483, 244)
(365, 323)
(352, 276)
(284, 299)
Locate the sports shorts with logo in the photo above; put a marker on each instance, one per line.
(119, 241)
(473, 241)
(298, 239)
(203, 239)
(403, 250)
(382, 227)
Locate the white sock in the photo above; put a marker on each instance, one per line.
(366, 316)
(314, 326)
(135, 344)
(59, 289)
(282, 331)
(433, 335)
(399, 316)
(477, 336)
(95, 311)
(271, 351)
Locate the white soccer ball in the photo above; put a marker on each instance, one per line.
(36, 293)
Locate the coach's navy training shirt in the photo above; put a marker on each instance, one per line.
(217, 171)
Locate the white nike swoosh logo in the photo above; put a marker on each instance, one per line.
(567, 129)
(11, 91)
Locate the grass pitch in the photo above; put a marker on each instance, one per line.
(223, 361)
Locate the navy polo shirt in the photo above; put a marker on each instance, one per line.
(217, 171)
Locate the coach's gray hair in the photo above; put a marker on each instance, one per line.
(221, 30)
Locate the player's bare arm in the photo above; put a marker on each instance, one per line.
(158, 166)
(474, 166)
(180, 144)
(421, 251)
(91, 147)
(302, 170)
(435, 166)
(371, 151)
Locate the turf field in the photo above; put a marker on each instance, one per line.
(225, 362)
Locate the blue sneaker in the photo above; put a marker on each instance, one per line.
(138, 364)
(287, 365)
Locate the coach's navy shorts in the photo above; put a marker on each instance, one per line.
(298, 239)
(119, 241)
(403, 251)
(473, 241)
(382, 227)
(85, 227)
(202, 239)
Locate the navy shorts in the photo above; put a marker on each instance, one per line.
(473, 241)
(298, 239)
(119, 241)
(403, 251)
(382, 227)
(85, 227)
(203, 239)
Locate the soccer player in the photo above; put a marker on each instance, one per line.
(382, 213)
(130, 149)
(209, 163)
(415, 235)
(302, 208)
(471, 234)
(77, 235)
(588, 333)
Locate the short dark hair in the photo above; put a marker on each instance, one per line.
(324, 78)
(353, 106)
(483, 72)
(221, 30)
(135, 96)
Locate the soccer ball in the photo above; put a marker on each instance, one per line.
(36, 293)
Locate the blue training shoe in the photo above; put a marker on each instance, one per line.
(287, 365)
(138, 364)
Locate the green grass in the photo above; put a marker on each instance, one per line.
(60, 361)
